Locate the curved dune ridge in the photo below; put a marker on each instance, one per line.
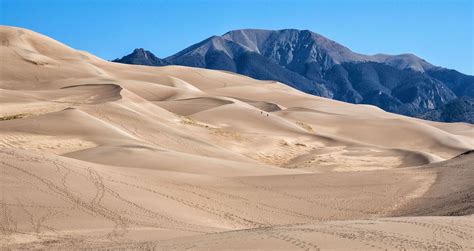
(95, 154)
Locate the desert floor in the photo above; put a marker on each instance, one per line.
(95, 154)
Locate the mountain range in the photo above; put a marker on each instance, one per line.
(403, 84)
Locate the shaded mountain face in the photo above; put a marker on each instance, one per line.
(141, 57)
(400, 91)
(460, 84)
(404, 84)
(458, 110)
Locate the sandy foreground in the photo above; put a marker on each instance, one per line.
(95, 154)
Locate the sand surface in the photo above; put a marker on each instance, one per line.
(95, 154)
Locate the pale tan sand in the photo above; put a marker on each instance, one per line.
(98, 154)
(64, 202)
(44, 143)
(430, 233)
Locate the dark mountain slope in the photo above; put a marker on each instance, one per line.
(400, 91)
(460, 84)
(458, 110)
(254, 65)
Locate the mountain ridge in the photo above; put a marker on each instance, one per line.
(256, 40)
(404, 83)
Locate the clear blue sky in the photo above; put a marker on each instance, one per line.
(440, 31)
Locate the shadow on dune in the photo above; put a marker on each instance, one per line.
(452, 193)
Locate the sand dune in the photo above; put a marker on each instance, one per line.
(99, 154)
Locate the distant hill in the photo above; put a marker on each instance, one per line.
(404, 84)
(141, 57)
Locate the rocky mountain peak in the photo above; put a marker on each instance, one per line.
(142, 57)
